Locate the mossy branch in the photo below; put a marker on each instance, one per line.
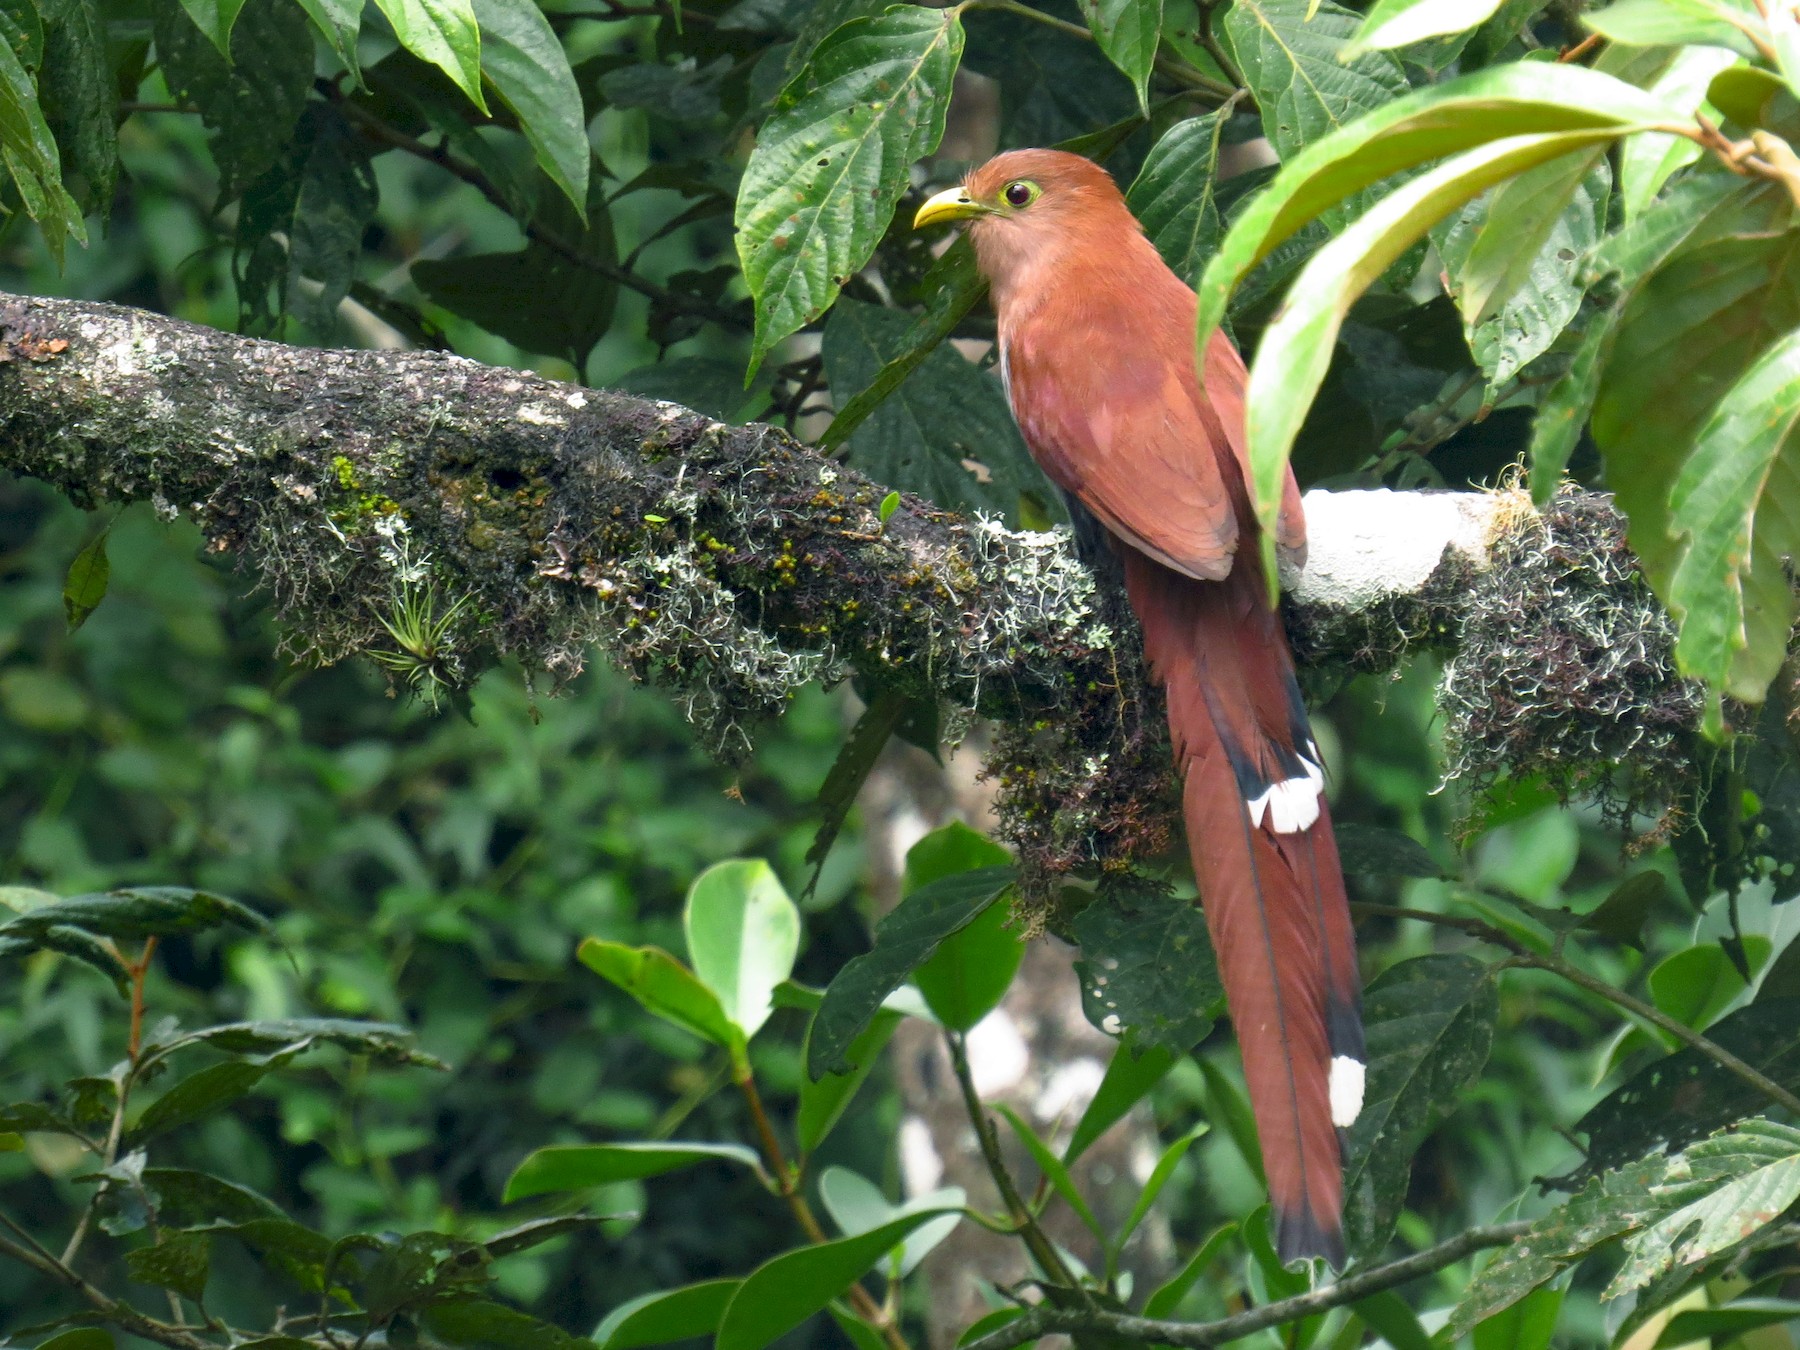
(437, 515)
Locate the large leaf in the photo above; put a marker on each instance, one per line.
(1647, 160)
(904, 939)
(1687, 1095)
(783, 1292)
(81, 97)
(1399, 23)
(31, 157)
(1128, 31)
(573, 1167)
(445, 34)
(742, 935)
(1736, 503)
(1147, 969)
(1295, 58)
(1297, 346)
(215, 18)
(1175, 195)
(969, 973)
(1514, 259)
(1429, 1024)
(1744, 1179)
(1514, 99)
(1674, 23)
(833, 160)
(1692, 331)
(667, 1315)
(521, 55)
(945, 433)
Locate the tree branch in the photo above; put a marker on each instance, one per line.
(1045, 1320)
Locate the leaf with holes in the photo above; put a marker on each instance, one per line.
(1429, 1024)
(1147, 969)
(832, 161)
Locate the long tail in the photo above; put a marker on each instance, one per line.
(1269, 877)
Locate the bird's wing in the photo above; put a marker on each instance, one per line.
(1130, 439)
(1226, 381)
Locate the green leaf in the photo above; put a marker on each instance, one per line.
(669, 1315)
(1129, 1078)
(742, 934)
(482, 1324)
(1167, 1297)
(1610, 1205)
(383, 1041)
(1686, 1095)
(208, 1091)
(1746, 1179)
(1514, 259)
(1725, 1324)
(31, 157)
(955, 286)
(522, 58)
(1733, 503)
(443, 33)
(1429, 1023)
(1563, 412)
(252, 103)
(783, 1292)
(1390, 1315)
(322, 198)
(177, 1261)
(831, 163)
(1526, 1325)
(824, 1100)
(857, 1205)
(1622, 915)
(339, 22)
(945, 433)
(1295, 58)
(1296, 348)
(215, 18)
(1128, 31)
(993, 1321)
(575, 1167)
(904, 939)
(971, 970)
(1054, 1172)
(141, 912)
(1375, 851)
(1159, 1177)
(1694, 986)
(856, 758)
(85, 586)
(80, 97)
(1674, 23)
(1175, 195)
(664, 986)
(79, 1338)
(22, 29)
(1398, 23)
(1147, 968)
(1647, 160)
(1513, 99)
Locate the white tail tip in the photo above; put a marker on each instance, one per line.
(1346, 1086)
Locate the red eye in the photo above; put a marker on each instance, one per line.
(1019, 194)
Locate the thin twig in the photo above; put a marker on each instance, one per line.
(1035, 1239)
(1045, 1319)
(120, 1314)
(1556, 965)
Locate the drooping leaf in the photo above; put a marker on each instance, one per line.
(1563, 412)
(445, 34)
(85, 586)
(339, 22)
(215, 18)
(823, 1100)
(1295, 58)
(1382, 852)
(574, 1167)
(81, 97)
(784, 1291)
(856, 759)
(1147, 969)
(1128, 31)
(969, 973)
(945, 433)
(522, 57)
(904, 938)
(1733, 1184)
(664, 986)
(1399, 23)
(1687, 1095)
(1429, 1023)
(831, 163)
(1526, 1325)
(1733, 502)
(1175, 195)
(667, 1315)
(743, 933)
(30, 154)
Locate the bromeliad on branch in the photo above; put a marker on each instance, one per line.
(1096, 348)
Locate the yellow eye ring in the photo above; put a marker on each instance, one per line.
(1019, 193)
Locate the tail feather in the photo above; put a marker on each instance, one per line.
(1267, 867)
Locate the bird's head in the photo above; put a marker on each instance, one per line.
(1026, 207)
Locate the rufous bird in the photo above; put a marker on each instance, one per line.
(1097, 351)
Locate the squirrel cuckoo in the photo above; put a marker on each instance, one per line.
(1096, 339)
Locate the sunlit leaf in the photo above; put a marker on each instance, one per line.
(743, 933)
